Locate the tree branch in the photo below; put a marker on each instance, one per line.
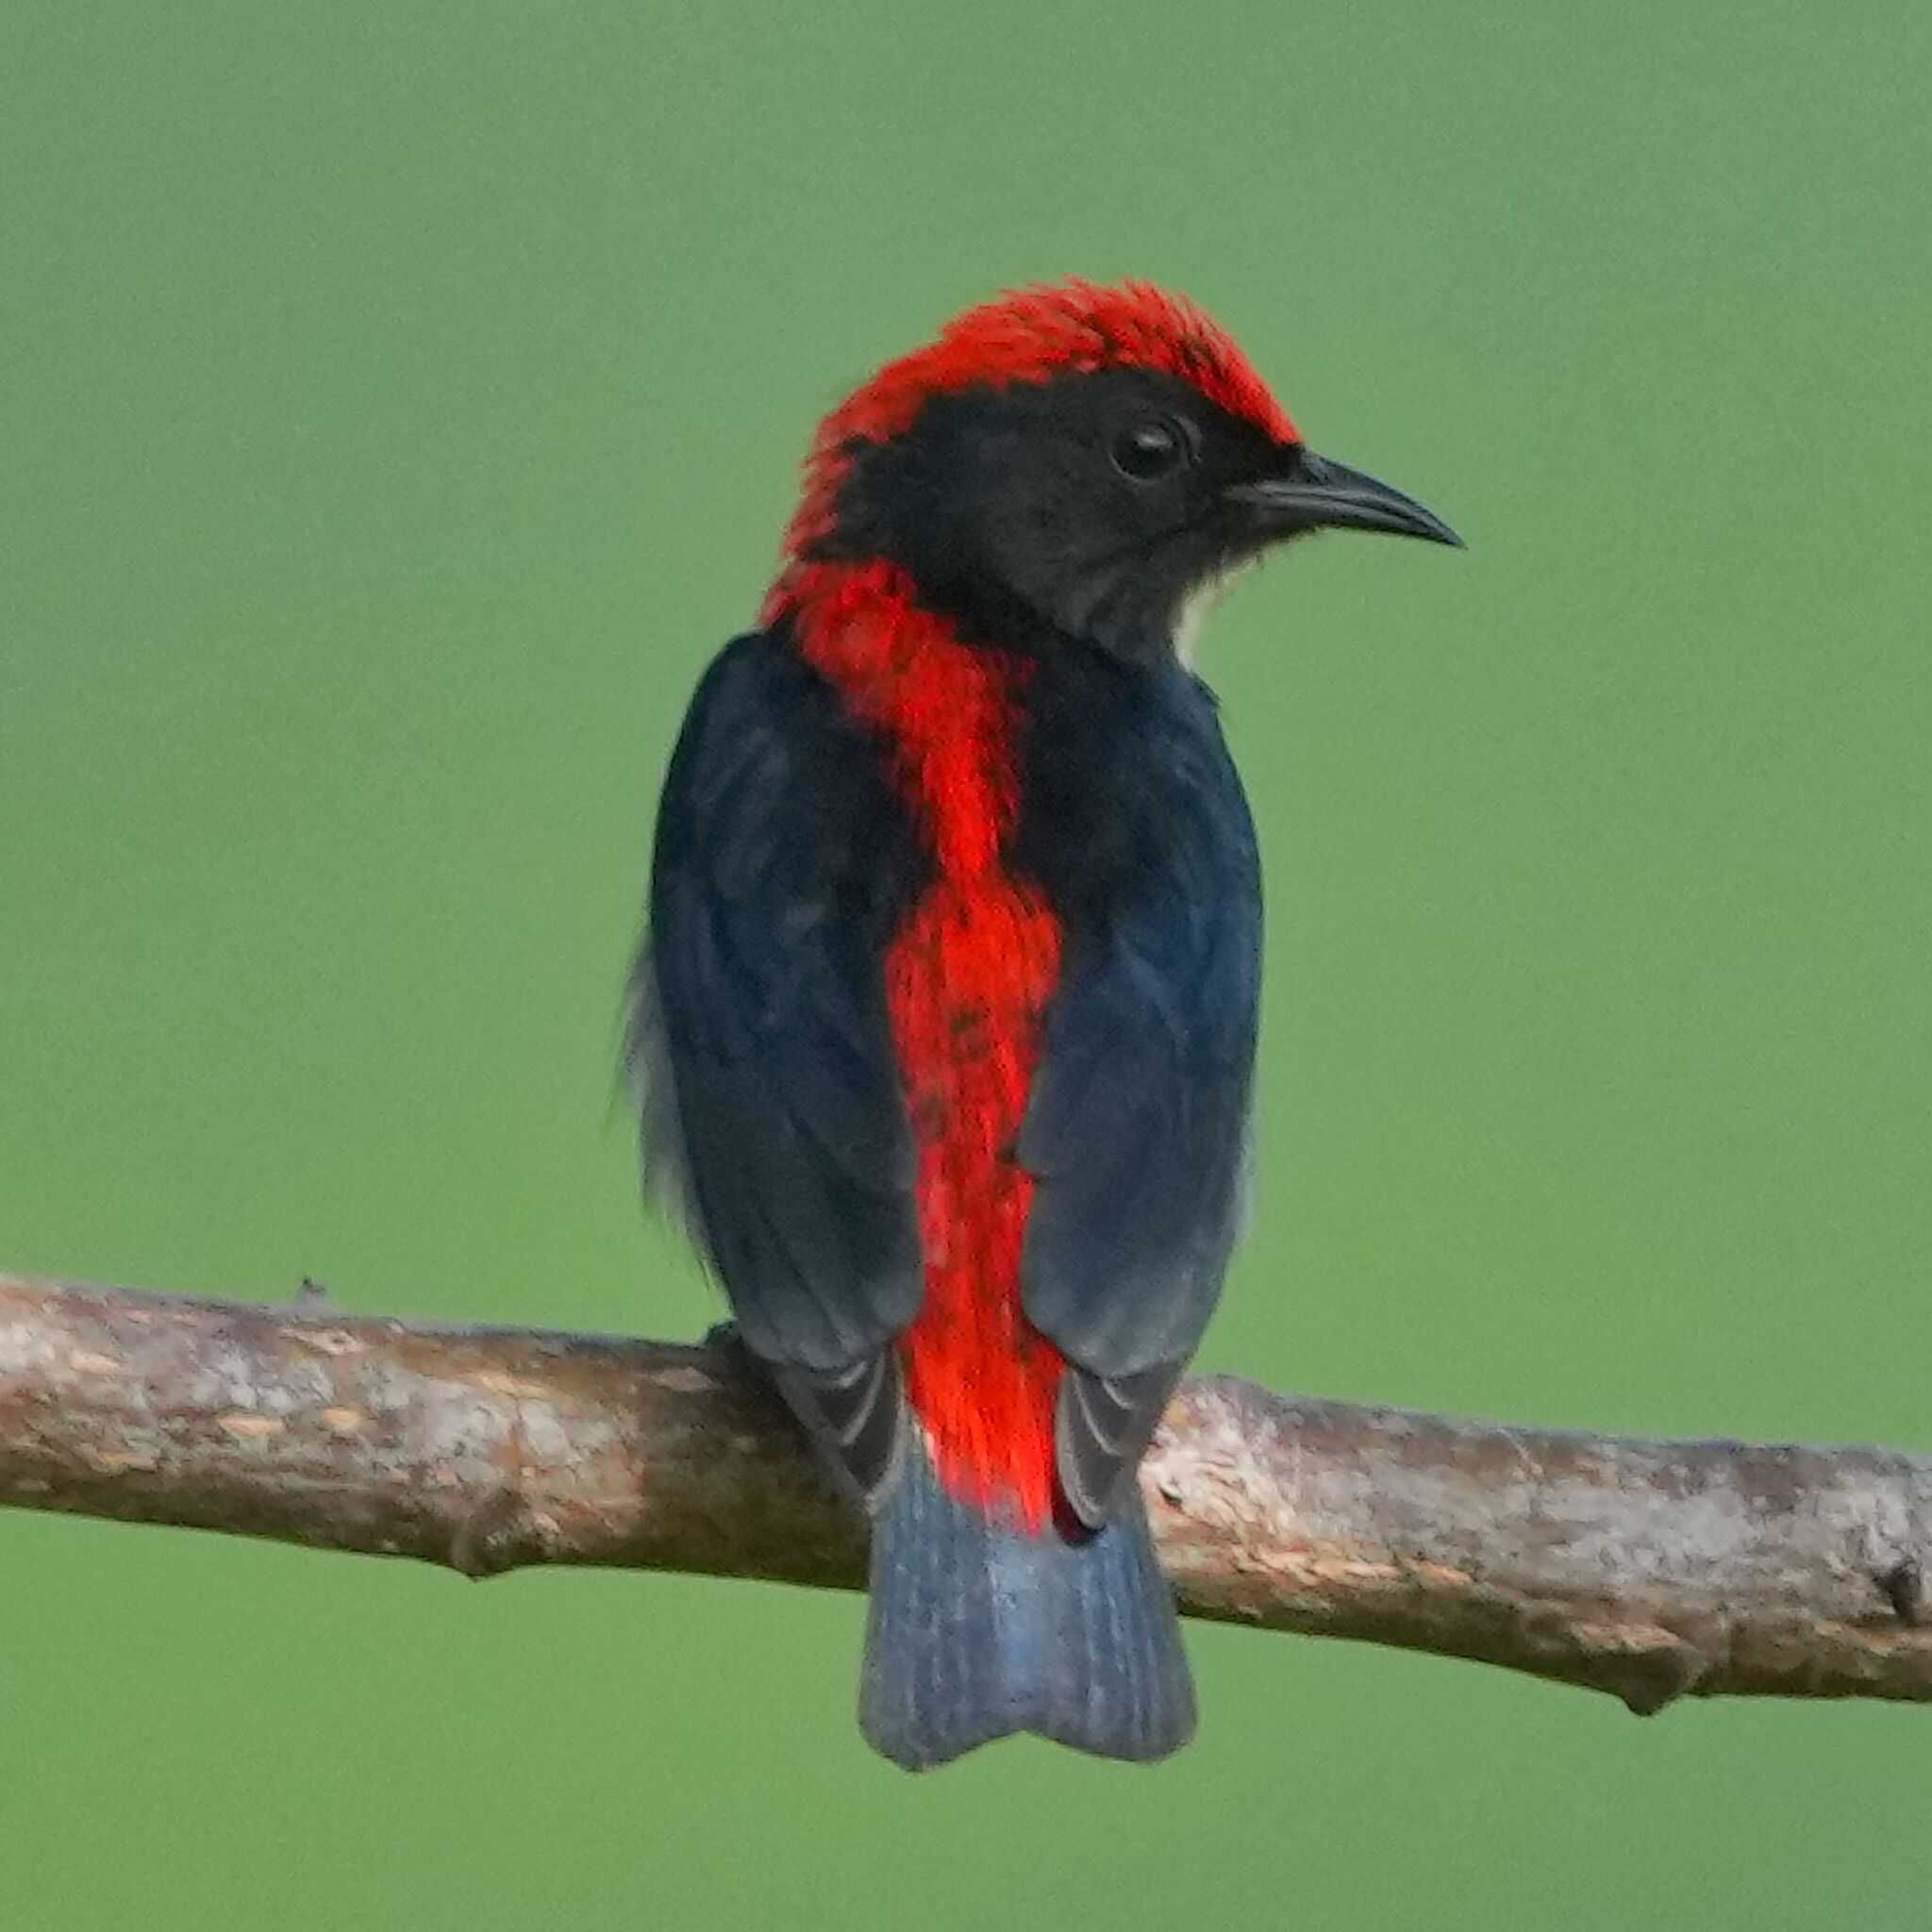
(1649, 1570)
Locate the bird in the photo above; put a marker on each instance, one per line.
(944, 1018)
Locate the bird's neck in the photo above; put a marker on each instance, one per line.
(949, 710)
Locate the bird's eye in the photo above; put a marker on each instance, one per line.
(1150, 449)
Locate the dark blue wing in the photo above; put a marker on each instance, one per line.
(772, 1103)
(1136, 827)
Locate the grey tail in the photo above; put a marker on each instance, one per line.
(977, 1630)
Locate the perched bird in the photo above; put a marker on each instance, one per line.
(944, 1022)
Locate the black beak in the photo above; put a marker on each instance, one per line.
(1313, 493)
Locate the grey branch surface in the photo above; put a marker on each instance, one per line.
(1649, 1569)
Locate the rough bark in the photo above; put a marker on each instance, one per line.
(1649, 1570)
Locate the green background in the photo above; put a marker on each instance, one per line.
(402, 400)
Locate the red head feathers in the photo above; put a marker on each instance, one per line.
(1028, 335)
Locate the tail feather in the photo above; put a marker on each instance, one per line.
(976, 1631)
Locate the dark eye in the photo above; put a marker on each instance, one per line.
(1151, 449)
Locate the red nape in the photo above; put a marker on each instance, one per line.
(1031, 335)
(967, 980)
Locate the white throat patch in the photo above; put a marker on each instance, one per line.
(1200, 604)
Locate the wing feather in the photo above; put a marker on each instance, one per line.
(772, 1111)
(1136, 1124)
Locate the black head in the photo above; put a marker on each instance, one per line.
(1071, 461)
(1093, 504)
